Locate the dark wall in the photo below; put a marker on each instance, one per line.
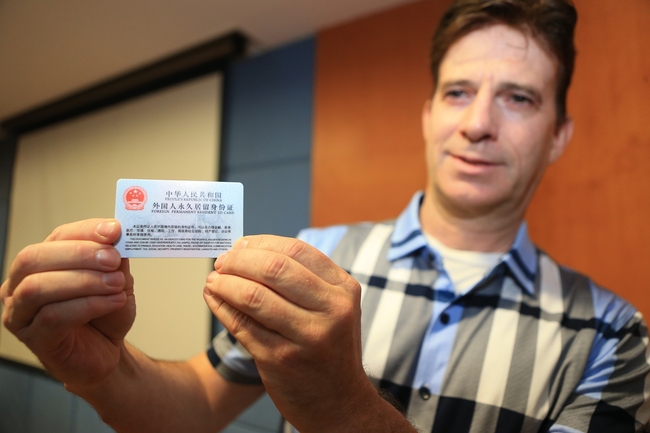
(7, 154)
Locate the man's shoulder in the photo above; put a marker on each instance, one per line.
(326, 239)
(578, 287)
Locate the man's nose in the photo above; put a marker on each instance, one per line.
(479, 120)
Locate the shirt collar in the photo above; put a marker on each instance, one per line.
(407, 238)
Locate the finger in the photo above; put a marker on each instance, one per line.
(300, 251)
(105, 231)
(262, 304)
(63, 255)
(125, 267)
(39, 290)
(4, 291)
(54, 321)
(281, 273)
(251, 334)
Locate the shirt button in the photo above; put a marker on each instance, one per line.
(444, 318)
(425, 393)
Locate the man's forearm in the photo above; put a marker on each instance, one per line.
(149, 395)
(382, 416)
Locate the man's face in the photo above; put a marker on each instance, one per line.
(490, 128)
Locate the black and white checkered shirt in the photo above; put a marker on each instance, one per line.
(533, 347)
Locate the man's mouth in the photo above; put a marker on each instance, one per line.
(471, 165)
(475, 161)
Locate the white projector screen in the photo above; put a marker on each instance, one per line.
(68, 172)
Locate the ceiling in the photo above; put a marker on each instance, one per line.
(51, 48)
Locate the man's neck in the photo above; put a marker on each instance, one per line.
(482, 233)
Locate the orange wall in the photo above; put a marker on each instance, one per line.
(371, 83)
(592, 208)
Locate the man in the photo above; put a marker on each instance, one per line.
(466, 325)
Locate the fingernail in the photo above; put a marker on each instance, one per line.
(105, 228)
(114, 279)
(240, 244)
(107, 257)
(220, 261)
(212, 276)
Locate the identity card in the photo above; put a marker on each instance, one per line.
(173, 218)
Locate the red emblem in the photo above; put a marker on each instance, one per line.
(134, 198)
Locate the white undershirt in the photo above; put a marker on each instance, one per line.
(465, 268)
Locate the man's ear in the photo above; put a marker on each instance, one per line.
(561, 139)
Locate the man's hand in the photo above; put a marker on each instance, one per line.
(70, 300)
(298, 314)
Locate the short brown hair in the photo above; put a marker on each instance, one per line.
(550, 22)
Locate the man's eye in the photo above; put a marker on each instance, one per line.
(521, 99)
(456, 93)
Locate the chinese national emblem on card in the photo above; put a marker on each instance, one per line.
(134, 198)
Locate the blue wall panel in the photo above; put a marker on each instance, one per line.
(266, 145)
(267, 134)
(276, 198)
(268, 107)
(15, 394)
